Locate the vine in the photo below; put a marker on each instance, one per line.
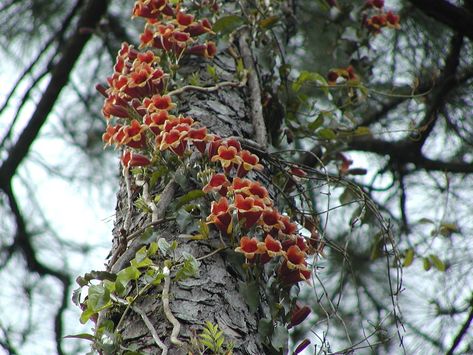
(157, 143)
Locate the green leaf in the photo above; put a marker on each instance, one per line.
(265, 327)
(326, 133)
(85, 336)
(362, 131)
(268, 22)
(319, 121)
(438, 264)
(127, 274)
(409, 258)
(190, 267)
(98, 297)
(153, 249)
(377, 247)
(307, 77)
(184, 219)
(426, 263)
(164, 246)
(228, 24)
(425, 221)
(447, 229)
(86, 314)
(190, 196)
(347, 196)
(250, 292)
(280, 337)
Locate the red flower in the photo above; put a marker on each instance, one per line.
(226, 156)
(219, 183)
(393, 20)
(174, 139)
(241, 186)
(249, 162)
(130, 158)
(255, 189)
(158, 102)
(249, 247)
(299, 314)
(134, 135)
(273, 246)
(248, 209)
(271, 219)
(289, 227)
(207, 50)
(200, 138)
(296, 258)
(109, 136)
(302, 345)
(156, 120)
(220, 216)
(290, 276)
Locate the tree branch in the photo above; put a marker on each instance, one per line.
(457, 18)
(90, 17)
(462, 331)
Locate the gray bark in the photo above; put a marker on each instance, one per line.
(213, 296)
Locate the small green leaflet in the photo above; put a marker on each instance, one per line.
(228, 24)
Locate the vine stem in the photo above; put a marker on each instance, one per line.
(207, 88)
(255, 91)
(176, 326)
(151, 328)
(126, 175)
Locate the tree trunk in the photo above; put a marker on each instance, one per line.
(214, 295)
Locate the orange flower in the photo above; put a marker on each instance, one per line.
(271, 219)
(290, 276)
(249, 162)
(241, 186)
(227, 156)
(156, 120)
(175, 140)
(109, 136)
(134, 135)
(158, 102)
(133, 159)
(248, 209)
(199, 138)
(289, 227)
(257, 190)
(219, 183)
(296, 258)
(220, 216)
(249, 247)
(273, 246)
(298, 315)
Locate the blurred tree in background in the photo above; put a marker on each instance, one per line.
(400, 135)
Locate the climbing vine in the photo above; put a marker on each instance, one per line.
(277, 248)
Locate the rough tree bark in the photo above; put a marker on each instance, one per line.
(213, 296)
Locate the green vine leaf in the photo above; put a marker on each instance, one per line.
(280, 337)
(250, 292)
(190, 196)
(409, 258)
(190, 267)
(228, 24)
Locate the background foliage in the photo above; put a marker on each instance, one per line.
(407, 122)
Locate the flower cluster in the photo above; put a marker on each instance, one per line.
(380, 18)
(136, 107)
(242, 202)
(141, 117)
